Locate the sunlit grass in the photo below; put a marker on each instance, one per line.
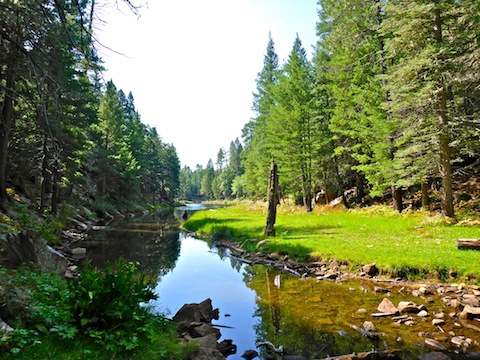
(410, 244)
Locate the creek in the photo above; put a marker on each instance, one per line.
(257, 303)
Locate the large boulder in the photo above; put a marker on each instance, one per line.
(193, 323)
(201, 312)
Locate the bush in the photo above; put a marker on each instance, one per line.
(107, 305)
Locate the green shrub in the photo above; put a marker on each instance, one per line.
(101, 314)
(107, 305)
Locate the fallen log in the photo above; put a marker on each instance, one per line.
(370, 355)
(468, 244)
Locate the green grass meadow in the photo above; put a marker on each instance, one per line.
(409, 245)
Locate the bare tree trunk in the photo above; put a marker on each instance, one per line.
(273, 200)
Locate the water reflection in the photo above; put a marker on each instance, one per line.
(258, 304)
(151, 241)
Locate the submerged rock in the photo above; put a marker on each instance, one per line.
(249, 354)
(387, 307)
(436, 355)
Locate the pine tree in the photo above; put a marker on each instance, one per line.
(421, 43)
(354, 49)
(258, 150)
(293, 131)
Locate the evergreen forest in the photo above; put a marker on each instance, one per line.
(387, 110)
(65, 133)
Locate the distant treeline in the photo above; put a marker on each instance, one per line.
(389, 104)
(65, 134)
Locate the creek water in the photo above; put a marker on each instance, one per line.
(256, 303)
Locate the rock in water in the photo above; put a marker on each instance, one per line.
(386, 306)
(250, 354)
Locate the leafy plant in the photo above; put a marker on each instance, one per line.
(107, 305)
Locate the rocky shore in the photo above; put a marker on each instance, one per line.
(460, 310)
(194, 326)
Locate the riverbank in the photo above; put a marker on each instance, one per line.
(414, 246)
(39, 310)
(442, 308)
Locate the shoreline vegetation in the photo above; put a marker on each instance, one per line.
(413, 245)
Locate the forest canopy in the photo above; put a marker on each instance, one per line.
(387, 110)
(63, 131)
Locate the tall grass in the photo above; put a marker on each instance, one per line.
(413, 244)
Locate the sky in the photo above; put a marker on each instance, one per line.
(191, 65)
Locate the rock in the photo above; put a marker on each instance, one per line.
(369, 326)
(226, 347)
(249, 354)
(470, 312)
(370, 269)
(209, 341)
(204, 353)
(473, 355)
(193, 322)
(435, 344)
(4, 327)
(73, 268)
(202, 312)
(68, 275)
(274, 256)
(422, 313)
(378, 289)
(204, 330)
(454, 303)
(436, 355)
(407, 307)
(386, 306)
(438, 322)
(470, 299)
(79, 253)
(416, 293)
(457, 341)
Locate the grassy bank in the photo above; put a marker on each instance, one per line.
(411, 245)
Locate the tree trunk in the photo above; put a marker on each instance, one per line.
(359, 184)
(340, 183)
(7, 123)
(397, 198)
(396, 192)
(273, 200)
(45, 174)
(445, 167)
(55, 187)
(466, 244)
(425, 197)
(307, 202)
